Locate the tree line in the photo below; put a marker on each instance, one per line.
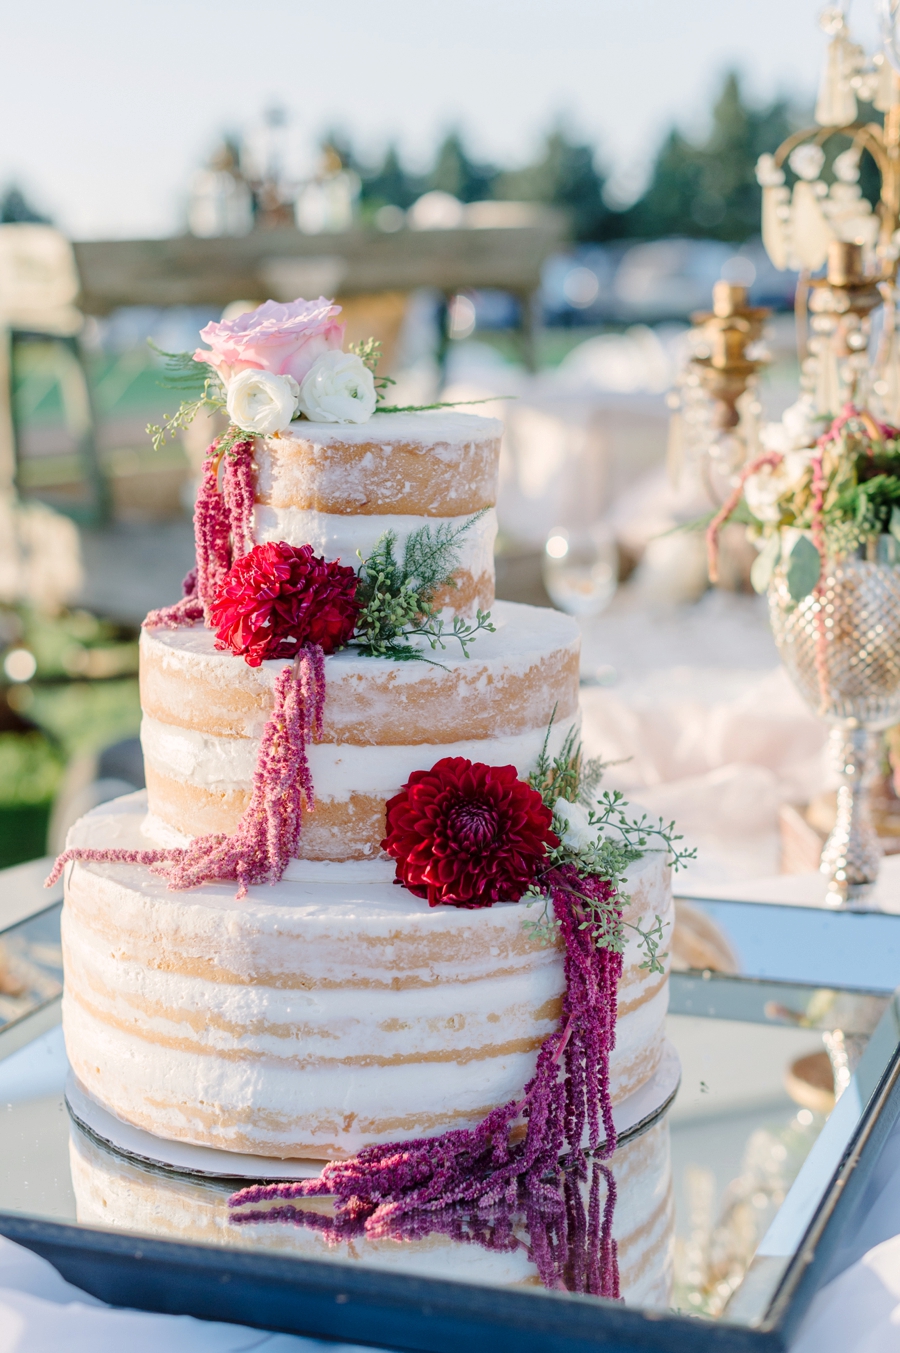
(702, 189)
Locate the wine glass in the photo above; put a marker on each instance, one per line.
(581, 569)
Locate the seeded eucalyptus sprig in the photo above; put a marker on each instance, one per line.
(368, 350)
(397, 597)
(572, 777)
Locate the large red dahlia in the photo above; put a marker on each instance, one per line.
(467, 834)
(278, 598)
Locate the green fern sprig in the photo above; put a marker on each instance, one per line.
(182, 372)
(568, 775)
(396, 598)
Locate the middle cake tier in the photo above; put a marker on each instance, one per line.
(204, 713)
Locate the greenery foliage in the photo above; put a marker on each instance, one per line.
(701, 187)
(200, 387)
(396, 597)
(30, 769)
(618, 841)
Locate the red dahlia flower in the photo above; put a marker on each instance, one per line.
(278, 598)
(467, 834)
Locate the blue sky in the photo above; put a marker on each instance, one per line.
(107, 106)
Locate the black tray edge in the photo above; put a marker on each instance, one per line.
(351, 1304)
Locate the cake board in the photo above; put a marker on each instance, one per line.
(633, 1116)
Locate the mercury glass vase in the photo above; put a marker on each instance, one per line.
(841, 647)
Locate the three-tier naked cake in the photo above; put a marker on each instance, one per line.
(334, 1009)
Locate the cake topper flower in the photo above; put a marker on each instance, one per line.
(280, 597)
(259, 402)
(338, 388)
(467, 834)
(283, 339)
(277, 363)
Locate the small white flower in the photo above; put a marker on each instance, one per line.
(261, 402)
(799, 429)
(803, 424)
(338, 388)
(579, 834)
(763, 490)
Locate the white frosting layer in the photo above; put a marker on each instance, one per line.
(337, 536)
(432, 425)
(311, 1017)
(524, 637)
(338, 769)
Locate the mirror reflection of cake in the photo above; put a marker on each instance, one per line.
(114, 1191)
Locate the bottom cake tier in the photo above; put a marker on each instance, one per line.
(324, 1013)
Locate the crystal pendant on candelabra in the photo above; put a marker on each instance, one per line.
(715, 403)
(836, 104)
(836, 371)
(841, 647)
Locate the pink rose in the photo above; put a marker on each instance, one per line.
(283, 339)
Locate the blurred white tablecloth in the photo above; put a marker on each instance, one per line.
(702, 725)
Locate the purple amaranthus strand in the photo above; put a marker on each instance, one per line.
(268, 833)
(385, 1185)
(571, 1246)
(223, 532)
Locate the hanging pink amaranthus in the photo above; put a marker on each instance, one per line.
(223, 533)
(268, 833)
(482, 1167)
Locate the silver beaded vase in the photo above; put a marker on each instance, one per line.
(841, 647)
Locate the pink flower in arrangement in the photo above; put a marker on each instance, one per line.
(284, 339)
(467, 834)
(280, 597)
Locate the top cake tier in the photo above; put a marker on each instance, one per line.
(339, 487)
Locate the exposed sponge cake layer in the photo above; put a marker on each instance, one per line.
(201, 783)
(436, 464)
(347, 538)
(205, 711)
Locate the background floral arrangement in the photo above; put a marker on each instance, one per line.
(815, 492)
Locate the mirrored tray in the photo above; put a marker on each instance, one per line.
(728, 1205)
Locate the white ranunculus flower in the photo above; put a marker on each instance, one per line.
(261, 402)
(338, 388)
(578, 833)
(763, 489)
(800, 427)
